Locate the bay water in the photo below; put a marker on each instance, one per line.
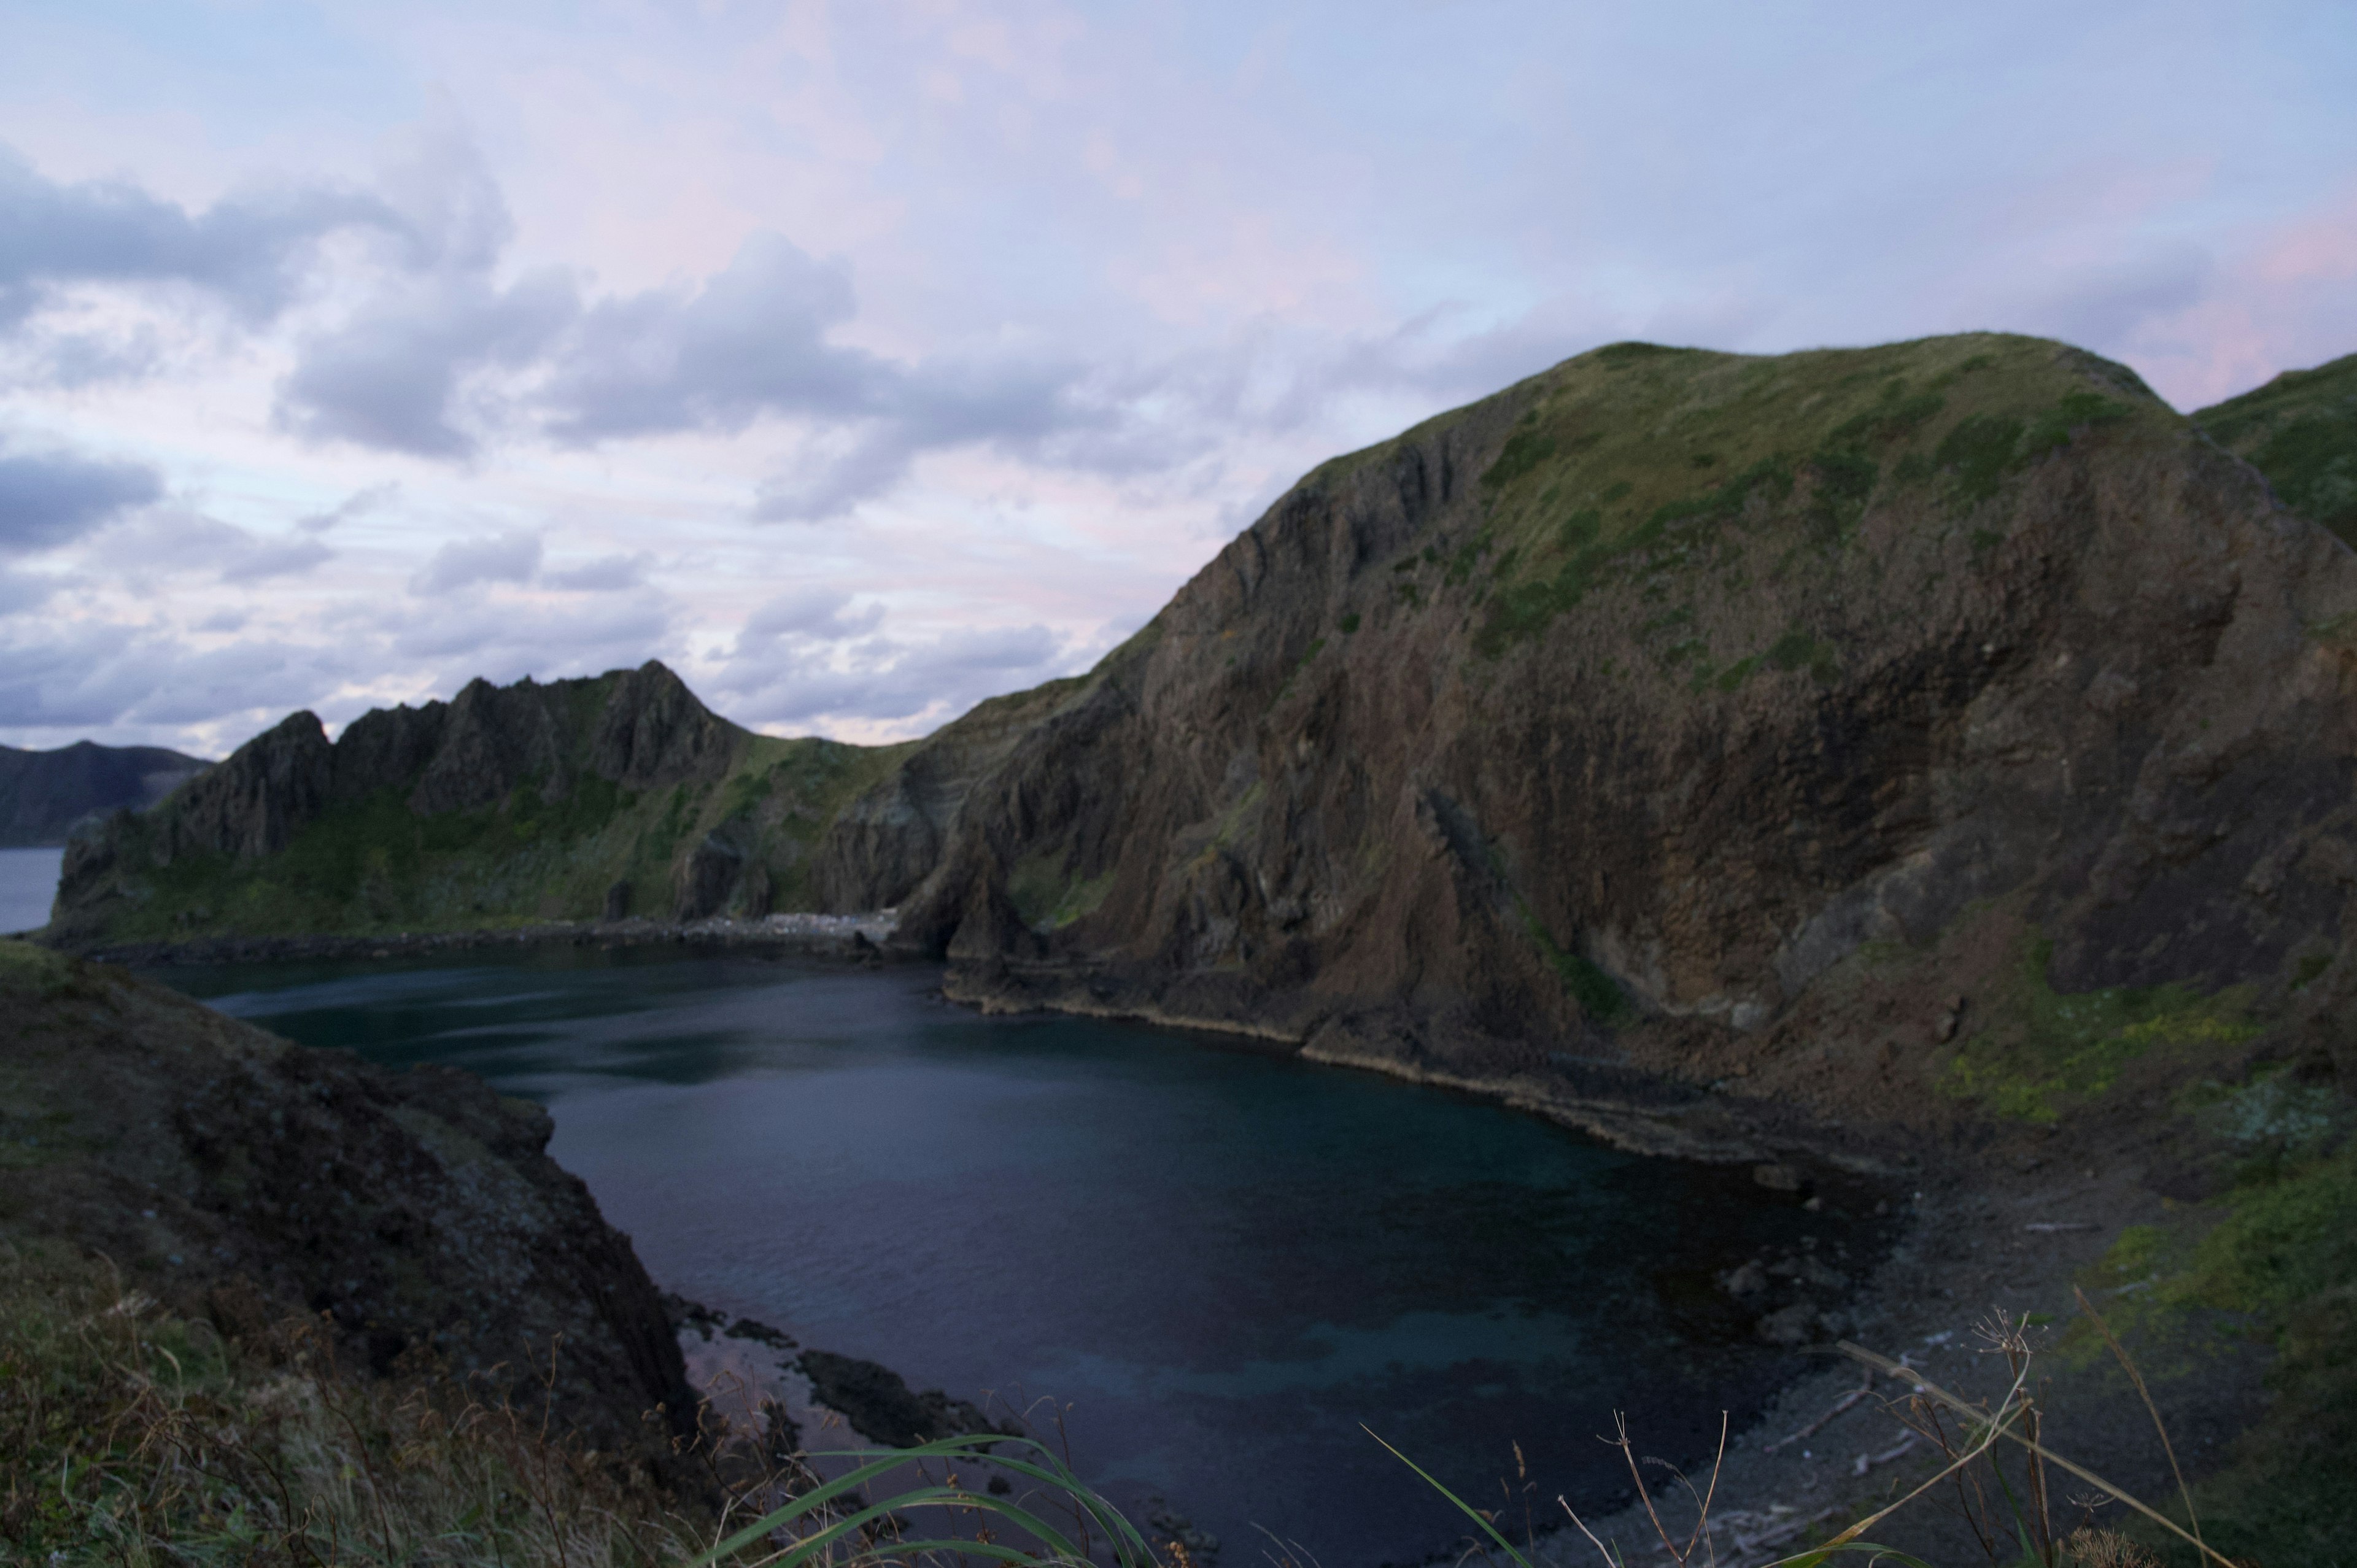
(1219, 1268)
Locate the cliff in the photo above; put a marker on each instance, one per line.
(1948, 715)
(239, 1177)
(586, 799)
(43, 794)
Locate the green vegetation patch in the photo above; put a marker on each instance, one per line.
(1599, 994)
(2300, 431)
(1049, 895)
(2042, 1050)
(1641, 464)
(32, 971)
(2277, 1261)
(373, 866)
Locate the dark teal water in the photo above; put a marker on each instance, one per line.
(1219, 1261)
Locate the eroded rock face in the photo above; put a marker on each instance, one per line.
(1658, 687)
(237, 1176)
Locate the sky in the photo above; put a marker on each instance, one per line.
(862, 360)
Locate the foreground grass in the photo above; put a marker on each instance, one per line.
(132, 1436)
(135, 1438)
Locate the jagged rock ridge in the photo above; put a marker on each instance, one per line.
(605, 797)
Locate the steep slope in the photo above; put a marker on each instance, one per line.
(1952, 713)
(243, 1178)
(44, 793)
(575, 799)
(2300, 431)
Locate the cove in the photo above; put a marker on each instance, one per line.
(1218, 1263)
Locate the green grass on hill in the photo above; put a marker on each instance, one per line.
(2300, 431)
(1639, 463)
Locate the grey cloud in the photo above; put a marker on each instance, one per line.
(51, 498)
(91, 676)
(511, 557)
(173, 541)
(796, 680)
(360, 503)
(389, 375)
(506, 641)
(606, 575)
(246, 250)
(20, 592)
(809, 613)
(751, 340)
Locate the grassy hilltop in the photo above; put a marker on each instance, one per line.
(2300, 430)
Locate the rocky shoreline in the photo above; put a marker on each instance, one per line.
(1993, 1217)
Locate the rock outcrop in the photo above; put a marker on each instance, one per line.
(44, 794)
(239, 1177)
(1686, 707)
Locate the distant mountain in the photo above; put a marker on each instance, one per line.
(44, 793)
(616, 795)
(2300, 431)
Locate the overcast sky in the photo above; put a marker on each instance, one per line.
(861, 360)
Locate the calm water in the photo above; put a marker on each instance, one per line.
(1222, 1260)
(28, 881)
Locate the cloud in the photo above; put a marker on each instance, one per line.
(245, 250)
(51, 498)
(510, 557)
(507, 639)
(750, 340)
(172, 540)
(20, 592)
(606, 575)
(388, 376)
(95, 675)
(360, 503)
(807, 614)
(800, 659)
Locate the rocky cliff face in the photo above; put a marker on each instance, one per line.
(240, 1178)
(43, 794)
(1701, 710)
(579, 799)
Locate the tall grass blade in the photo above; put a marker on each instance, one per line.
(1469, 1511)
(1129, 1547)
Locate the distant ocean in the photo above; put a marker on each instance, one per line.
(28, 881)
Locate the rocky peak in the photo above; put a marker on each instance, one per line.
(653, 731)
